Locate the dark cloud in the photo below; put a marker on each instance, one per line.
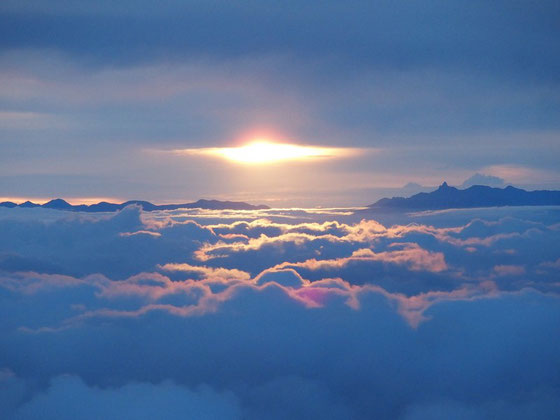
(518, 40)
(260, 338)
(68, 398)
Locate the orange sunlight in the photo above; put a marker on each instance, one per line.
(262, 151)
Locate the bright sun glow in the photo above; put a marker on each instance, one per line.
(260, 152)
(264, 152)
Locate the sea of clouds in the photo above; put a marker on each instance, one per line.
(280, 314)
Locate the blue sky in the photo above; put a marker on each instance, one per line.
(93, 96)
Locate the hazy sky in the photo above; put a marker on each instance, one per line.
(95, 97)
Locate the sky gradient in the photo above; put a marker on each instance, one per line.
(94, 97)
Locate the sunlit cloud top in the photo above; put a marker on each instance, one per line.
(262, 151)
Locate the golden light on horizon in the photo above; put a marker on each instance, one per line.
(263, 151)
(72, 200)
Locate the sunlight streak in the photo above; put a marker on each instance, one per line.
(261, 152)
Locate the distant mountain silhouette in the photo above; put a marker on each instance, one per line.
(60, 204)
(28, 204)
(446, 197)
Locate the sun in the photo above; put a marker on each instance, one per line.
(262, 151)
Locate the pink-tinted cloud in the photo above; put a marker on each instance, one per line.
(203, 300)
(207, 272)
(411, 255)
(509, 270)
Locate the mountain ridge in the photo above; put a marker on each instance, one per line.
(446, 197)
(103, 206)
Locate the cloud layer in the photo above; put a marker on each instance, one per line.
(270, 314)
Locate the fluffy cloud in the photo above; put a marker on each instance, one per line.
(341, 340)
(68, 397)
(288, 317)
